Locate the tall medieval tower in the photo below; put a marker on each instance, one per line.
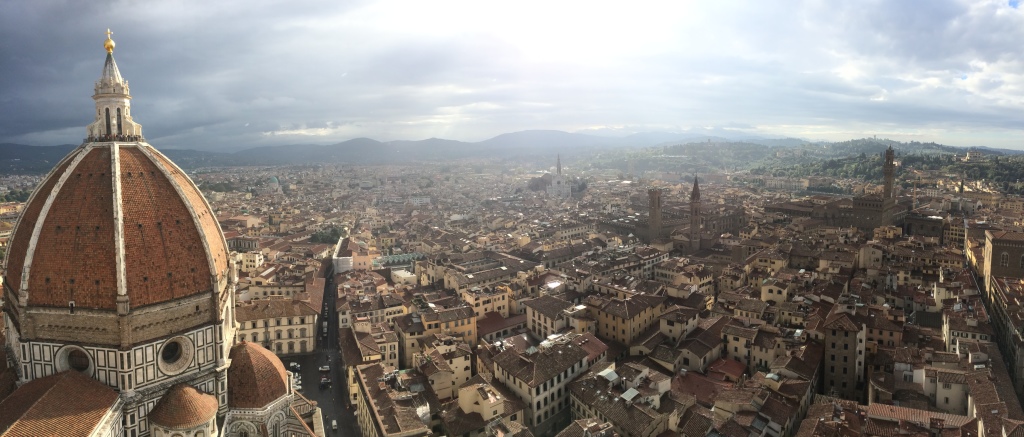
(654, 231)
(888, 196)
(889, 171)
(695, 216)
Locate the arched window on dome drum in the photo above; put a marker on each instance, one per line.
(119, 132)
(107, 111)
(1004, 260)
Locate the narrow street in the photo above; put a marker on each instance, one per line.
(332, 401)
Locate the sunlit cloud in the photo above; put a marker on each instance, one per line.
(467, 70)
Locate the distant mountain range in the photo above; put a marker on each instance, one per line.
(22, 159)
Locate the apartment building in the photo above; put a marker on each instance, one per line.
(371, 307)
(447, 363)
(539, 376)
(624, 319)
(459, 322)
(966, 321)
(1008, 324)
(844, 352)
(484, 408)
(630, 397)
(250, 262)
(682, 273)
(283, 326)
(366, 344)
(544, 315)
(389, 406)
(487, 300)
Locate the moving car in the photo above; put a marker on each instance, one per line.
(325, 368)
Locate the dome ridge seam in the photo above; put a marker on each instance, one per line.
(115, 171)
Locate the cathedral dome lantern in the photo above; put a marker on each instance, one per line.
(113, 103)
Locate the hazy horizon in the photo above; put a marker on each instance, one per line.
(231, 75)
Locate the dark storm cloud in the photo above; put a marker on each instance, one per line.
(227, 75)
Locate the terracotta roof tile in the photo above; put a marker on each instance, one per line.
(164, 254)
(183, 406)
(19, 240)
(536, 368)
(547, 305)
(75, 256)
(68, 403)
(251, 363)
(273, 308)
(207, 220)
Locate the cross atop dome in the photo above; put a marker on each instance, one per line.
(109, 43)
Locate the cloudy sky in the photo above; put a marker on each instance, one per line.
(226, 75)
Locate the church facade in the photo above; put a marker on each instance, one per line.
(560, 186)
(120, 295)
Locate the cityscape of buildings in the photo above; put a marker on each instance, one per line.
(439, 300)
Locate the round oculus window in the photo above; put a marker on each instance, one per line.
(74, 358)
(176, 355)
(78, 360)
(171, 352)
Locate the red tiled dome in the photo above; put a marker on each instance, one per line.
(256, 376)
(115, 216)
(183, 406)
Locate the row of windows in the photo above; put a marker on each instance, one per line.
(973, 335)
(266, 323)
(277, 335)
